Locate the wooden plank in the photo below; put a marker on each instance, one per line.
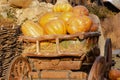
(57, 65)
(59, 74)
(54, 74)
(60, 54)
(51, 37)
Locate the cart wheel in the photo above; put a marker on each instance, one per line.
(108, 56)
(19, 69)
(97, 70)
(108, 51)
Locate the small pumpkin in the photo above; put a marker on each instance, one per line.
(47, 17)
(94, 27)
(79, 24)
(30, 28)
(65, 16)
(55, 27)
(118, 78)
(114, 74)
(62, 7)
(80, 10)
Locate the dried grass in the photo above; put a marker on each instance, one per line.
(20, 3)
(111, 29)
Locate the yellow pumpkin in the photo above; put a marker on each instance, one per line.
(65, 16)
(62, 7)
(47, 17)
(79, 24)
(55, 27)
(30, 28)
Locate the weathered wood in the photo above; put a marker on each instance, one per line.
(75, 54)
(57, 65)
(59, 75)
(51, 37)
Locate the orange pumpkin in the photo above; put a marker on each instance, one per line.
(47, 17)
(65, 16)
(55, 27)
(62, 7)
(29, 28)
(80, 10)
(94, 27)
(79, 24)
(114, 74)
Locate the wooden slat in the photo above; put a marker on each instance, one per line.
(57, 65)
(50, 37)
(74, 54)
(59, 75)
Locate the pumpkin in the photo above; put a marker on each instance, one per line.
(79, 24)
(47, 17)
(30, 28)
(94, 27)
(65, 16)
(80, 10)
(118, 78)
(55, 27)
(114, 74)
(62, 7)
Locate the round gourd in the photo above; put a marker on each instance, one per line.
(79, 24)
(47, 17)
(65, 16)
(80, 10)
(94, 27)
(29, 28)
(55, 27)
(62, 7)
(114, 74)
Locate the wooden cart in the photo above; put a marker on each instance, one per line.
(82, 64)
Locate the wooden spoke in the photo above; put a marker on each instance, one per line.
(108, 55)
(98, 69)
(108, 51)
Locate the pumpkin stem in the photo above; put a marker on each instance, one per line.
(61, 1)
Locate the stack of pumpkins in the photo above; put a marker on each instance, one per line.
(64, 19)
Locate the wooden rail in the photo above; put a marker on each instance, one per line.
(50, 37)
(57, 38)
